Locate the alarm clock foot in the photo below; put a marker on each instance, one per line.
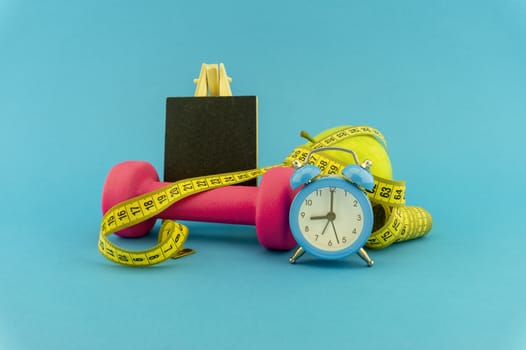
(297, 254)
(363, 254)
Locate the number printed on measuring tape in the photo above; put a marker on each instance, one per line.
(403, 223)
(349, 132)
(171, 236)
(387, 191)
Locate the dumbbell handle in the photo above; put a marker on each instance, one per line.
(229, 205)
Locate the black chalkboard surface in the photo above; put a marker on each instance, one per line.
(210, 135)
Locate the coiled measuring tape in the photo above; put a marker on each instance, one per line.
(394, 222)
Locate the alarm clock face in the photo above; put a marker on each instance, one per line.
(332, 218)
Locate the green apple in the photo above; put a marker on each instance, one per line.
(365, 147)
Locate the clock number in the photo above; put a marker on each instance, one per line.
(358, 217)
(330, 243)
(307, 229)
(302, 214)
(344, 239)
(354, 231)
(355, 203)
(318, 193)
(308, 202)
(316, 238)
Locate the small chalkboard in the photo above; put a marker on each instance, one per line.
(210, 135)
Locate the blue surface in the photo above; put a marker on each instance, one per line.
(83, 87)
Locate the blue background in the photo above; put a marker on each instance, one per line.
(83, 87)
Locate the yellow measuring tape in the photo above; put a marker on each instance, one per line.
(393, 221)
(172, 235)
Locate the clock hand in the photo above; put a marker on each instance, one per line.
(326, 225)
(331, 215)
(319, 217)
(334, 228)
(332, 198)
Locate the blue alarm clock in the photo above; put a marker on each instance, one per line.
(331, 217)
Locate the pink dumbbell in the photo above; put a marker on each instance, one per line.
(266, 206)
